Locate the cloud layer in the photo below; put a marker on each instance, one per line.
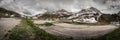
(33, 7)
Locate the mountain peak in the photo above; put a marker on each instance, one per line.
(90, 10)
(62, 10)
(95, 9)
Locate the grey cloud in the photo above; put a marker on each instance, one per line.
(34, 7)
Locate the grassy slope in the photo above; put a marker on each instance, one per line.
(26, 30)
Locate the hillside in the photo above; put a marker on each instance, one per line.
(7, 13)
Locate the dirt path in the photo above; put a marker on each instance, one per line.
(7, 24)
(79, 31)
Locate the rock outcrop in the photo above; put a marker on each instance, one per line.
(108, 18)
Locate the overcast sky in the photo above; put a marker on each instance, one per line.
(33, 7)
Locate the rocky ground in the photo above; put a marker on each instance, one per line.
(63, 29)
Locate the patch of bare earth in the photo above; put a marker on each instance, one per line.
(7, 24)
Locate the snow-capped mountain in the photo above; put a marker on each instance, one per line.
(90, 15)
(62, 13)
